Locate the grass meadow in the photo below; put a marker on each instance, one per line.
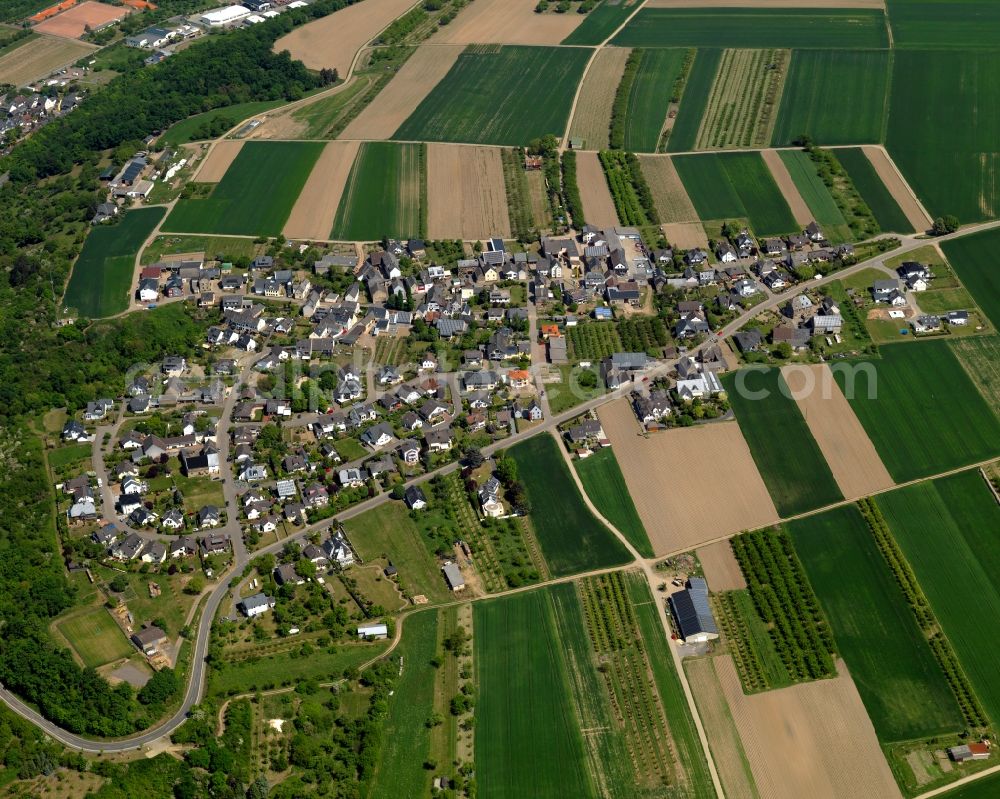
(255, 196)
(789, 460)
(819, 86)
(95, 637)
(816, 195)
(384, 193)
(499, 95)
(102, 276)
(948, 530)
(649, 98)
(974, 260)
(925, 415)
(605, 485)
(733, 186)
(199, 126)
(571, 538)
(694, 100)
(873, 191)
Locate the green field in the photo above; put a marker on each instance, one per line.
(787, 456)
(925, 415)
(694, 100)
(941, 24)
(974, 260)
(735, 186)
(952, 167)
(986, 788)
(948, 531)
(753, 651)
(95, 637)
(500, 95)
(601, 23)
(572, 540)
(816, 195)
(605, 485)
(255, 196)
(755, 27)
(649, 98)
(897, 676)
(102, 276)
(206, 125)
(888, 214)
(528, 741)
(821, 85)
(384, 193)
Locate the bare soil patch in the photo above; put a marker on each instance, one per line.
(400, 98)
(334, 40)
(465, 193)
(313, 214)
(592, 119)
(39, 57)
(506, 22)
(837, 755)
(765, 4)
(779, 171)
(598, 206)
(72, 24)
(844, 443)
(898, 187)
(685, 235)
(690, 485)
(215, 164)
(669, 194)
(720, 567)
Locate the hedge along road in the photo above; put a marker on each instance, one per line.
(196, 682)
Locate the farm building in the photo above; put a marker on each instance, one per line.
(453, 577)
(973, 751)
(373, 631)
(692, 613)
(149, 639)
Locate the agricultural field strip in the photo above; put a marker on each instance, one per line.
(592, 117)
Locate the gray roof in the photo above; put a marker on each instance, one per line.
(691, 609)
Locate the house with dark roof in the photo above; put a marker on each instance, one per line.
(692, 613)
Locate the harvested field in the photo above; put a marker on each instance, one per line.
(897, 187)
(465, 193)
(685, 235)
(598, 207)
(669, 195)
(332, 41)
(313, 213)
(685, 493)
(75, 22)
(824, 722)
(38, 57)
(592, 118)
(784, 180)
(218, 161)
(855, 464)
(390, 108)
(506, 22)
(720, 567)
(765, 3)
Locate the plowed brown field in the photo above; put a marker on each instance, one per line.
(592, 118)
(465, 193)
(598, 206)
(779, 171)
(720, 567)
(897, 188)
(506, 22)
(38, 57)
(218, 161)
(313, 214)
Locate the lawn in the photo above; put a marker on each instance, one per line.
(95, 637)
(694, 100)
(568, 393)
(787, 456)
(939, 24)
(974, 260)
(816, 195)
(605, 485)
(68, 456)
(921, 410)
(528, 740)
(899, 680)
(255, 196)
(736, 185)
(500, 95)
(948, 530)
(649, 98)
(384, 193)
(102, 276)
(572, 540)
(210, 124)
(953, 168)
(821, 84)
(225, 248)
(873, 191)
(755, 27)
(601, 23)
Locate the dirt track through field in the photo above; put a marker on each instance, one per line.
(465, 193)
(779, 171)
(598, 206)
(844, 443)
(400, 98)
(592, 119)
(765, 4)
(313, 214)
(218, 161)
(897, 188)
(506, 22)
(690, 485)
(812, 740)
(720, 567)
(38, 57)
(669, 194)
(332, 41)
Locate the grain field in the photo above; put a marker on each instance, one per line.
(506, 22)
(38, 57)
(720, 567)
(592, 119)
(779, 4)
(465, 193)
(313, 214)
(218, 161)
(685, 235)
(897, 187)
(598, 207)
(669, 195)
(779, 172)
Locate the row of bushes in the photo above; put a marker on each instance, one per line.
(629, 190)
(571, 190)
(616, 138)
(855, 210)
(643, 334)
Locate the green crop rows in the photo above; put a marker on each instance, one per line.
(647, 101)
(937, 24)
(750, 643)
(605, 484)
(694, 100)
(600, 23)
(644, 334)
(629, 190)
(594, 341)
(974, 260)
(873, 191)
(816, 194)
